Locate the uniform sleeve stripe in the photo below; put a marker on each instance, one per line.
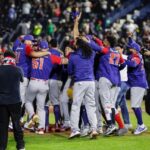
(55, 59)
(28, 50)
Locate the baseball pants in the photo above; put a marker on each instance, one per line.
(108, 95)
(84, 90)
(23, 88)
(54, 91)
(137, 94)
(64, 100)
(98, 107)
(37, 89)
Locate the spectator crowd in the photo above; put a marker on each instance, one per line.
(52, 19)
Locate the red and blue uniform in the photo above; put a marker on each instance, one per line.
(136, 71)
(109, 62)
(23, 60)
(135, 63)
(80, 68)
(109, 66)
(41, 67)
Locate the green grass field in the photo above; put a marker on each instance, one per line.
(59, 141)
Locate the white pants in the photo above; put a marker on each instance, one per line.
(23, 89)
(84, 90)
(64, 103)
(37, 89)
(137, 94)
(108, 93)
(98, 107)
(108, 96)
(54, 91)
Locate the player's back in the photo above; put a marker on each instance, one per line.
(22, 60)
(83, 67)
(109, 66)
(137, 75)
(41, 67)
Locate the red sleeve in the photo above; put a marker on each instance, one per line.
(28, 50)
(55, 59)
(136, 60)
(121, 60)
(105, 50)
(99, 42)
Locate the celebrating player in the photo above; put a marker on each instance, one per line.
(55, 84)
(38, 86)
(109, 81)
(24, 52)
(137, 81)
(80, 68)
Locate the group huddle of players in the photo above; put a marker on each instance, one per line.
(88, 72)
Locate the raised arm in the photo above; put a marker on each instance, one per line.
(76, 28)
(130, 39)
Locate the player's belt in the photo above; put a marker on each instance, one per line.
(38, 79)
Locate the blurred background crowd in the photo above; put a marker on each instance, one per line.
(52, 19)
(49, 19)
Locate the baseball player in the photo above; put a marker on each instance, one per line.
(64, 96)
(80, 67)
(55, 85)
(83, 119)
(38, 86)
(137, 81)
(24, 52)
(109, 81)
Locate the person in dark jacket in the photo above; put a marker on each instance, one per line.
(10, 103)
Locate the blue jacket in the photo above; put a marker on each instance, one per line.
(110, 62)
(109, 66)
(80, 68)
(136, 71)
(22, 60)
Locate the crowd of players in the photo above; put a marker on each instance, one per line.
(88, 72)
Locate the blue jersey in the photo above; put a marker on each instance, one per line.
(22, 60)
(57, 69)
(109, 64)
(16, 44)
(41, 67)
(81, 68)
(136, 71)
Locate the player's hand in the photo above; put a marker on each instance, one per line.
(68, 50)
(64, 61)
(94, 37)
(49, 53)
(78, 17)
(129, 34)
(147, 53)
